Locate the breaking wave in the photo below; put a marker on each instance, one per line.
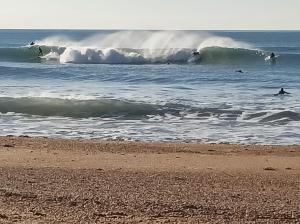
(280, 117)
(107, 108)
(142, 47)
(286, 115)
(86, 55)
(75, 108)
(137, 47)
(42, 106)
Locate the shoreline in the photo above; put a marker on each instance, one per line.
(5, 138)
(69, 181)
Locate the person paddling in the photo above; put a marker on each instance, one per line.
(281, 92)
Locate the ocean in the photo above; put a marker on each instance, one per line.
(183, 86)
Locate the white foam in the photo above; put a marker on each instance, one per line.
(109, 56)
(52, 56)
(224, 42)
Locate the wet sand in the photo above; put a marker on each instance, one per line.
(90, 181)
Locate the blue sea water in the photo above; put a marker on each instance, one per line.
(148, 85)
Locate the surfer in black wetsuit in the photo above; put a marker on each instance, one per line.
(32, 43)
(239, 71)
(281, 92)
(272, 55)
(195, 53)
(272, 58)
(40, 51)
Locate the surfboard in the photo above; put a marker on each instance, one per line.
(271, 59)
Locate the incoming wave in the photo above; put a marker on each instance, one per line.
(143, 47)
(122, 109)
(76, 108)
(104, 108)
(85, 55)
(20, 54)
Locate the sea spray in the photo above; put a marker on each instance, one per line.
(137, 47)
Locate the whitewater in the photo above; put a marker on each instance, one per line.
(186, 86)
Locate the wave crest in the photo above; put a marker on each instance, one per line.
(43, 106)
(110, 108)
(75, 108)
(85, 55)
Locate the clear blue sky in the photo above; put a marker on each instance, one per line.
(151, 14)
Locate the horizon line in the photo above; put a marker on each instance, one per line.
(139, 29)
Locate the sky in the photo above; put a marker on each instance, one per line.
(151, 14)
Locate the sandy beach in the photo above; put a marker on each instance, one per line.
(91, 181)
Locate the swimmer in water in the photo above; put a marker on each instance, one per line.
(281, 92)
(239, 71)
